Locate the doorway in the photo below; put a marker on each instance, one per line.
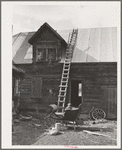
(76, 92)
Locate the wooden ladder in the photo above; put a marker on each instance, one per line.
(65, 73)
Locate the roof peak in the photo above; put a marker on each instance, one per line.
(31, 40)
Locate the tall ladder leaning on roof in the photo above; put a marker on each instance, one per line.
(65, 72)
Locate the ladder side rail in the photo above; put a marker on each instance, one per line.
(66, 70)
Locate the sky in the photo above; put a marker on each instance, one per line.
(28, 17)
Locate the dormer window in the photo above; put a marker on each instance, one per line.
(52, 54)
(46, 54)
(48, 45)
(41, 55)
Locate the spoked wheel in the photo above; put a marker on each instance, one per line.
(98, 114)
(49, 122)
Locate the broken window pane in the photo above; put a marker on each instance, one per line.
(51, 54)
(41, 55)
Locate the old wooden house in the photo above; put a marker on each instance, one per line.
(93, 73)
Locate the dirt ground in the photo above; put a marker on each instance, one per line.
(26, 133)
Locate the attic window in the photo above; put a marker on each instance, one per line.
(51, 54)
(46, 54)
(41, 55)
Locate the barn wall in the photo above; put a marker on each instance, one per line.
(99, 85)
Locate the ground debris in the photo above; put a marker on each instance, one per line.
(91, 122)
(25, 117)
(97, 133)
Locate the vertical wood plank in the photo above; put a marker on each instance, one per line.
(112, 102)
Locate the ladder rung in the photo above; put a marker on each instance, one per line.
(64, 82)
(61, 101)
(62, 90)
(65, 77)
(66, 66)
(61, 95)
(66, 62)
(67, 59)
(65, 69)
(63, 86)
(65, 74)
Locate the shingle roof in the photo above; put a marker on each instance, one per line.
(93, 45)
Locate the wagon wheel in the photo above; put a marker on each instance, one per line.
(98, 114)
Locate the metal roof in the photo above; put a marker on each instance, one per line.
(16, 68)
(93, 45)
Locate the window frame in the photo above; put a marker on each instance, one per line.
(46, 54)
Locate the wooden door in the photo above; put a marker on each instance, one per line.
(112, 103)
(109, 101)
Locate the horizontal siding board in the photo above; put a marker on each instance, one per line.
(36, 87)
(94, 76)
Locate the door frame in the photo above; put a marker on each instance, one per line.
(69, 89)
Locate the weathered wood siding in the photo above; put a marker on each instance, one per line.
(47, 39)
(95, 77)
(99, 82)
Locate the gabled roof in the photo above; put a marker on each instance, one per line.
(93, 45)
(31, 40)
